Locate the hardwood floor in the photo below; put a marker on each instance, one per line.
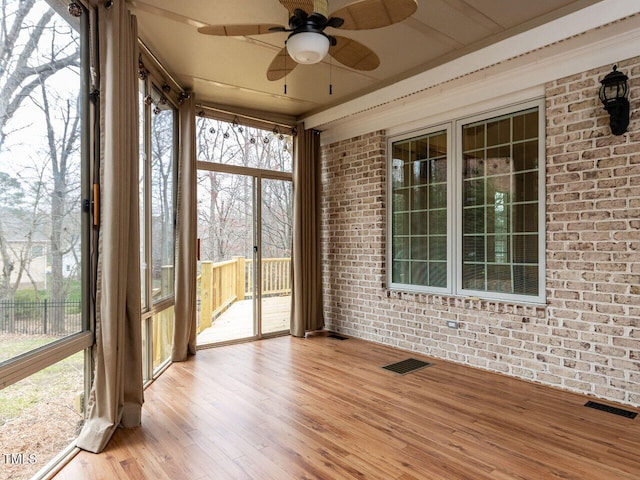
(321, 408)
(237, 322)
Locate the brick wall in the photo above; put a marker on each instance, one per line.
(587, 338)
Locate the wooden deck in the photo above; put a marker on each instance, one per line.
(320, 408)
(237, 322)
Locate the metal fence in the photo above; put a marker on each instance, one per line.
(40, 318)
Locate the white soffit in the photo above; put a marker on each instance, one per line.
(509, 71)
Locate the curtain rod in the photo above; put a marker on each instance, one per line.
(242, 115)
(160, 66)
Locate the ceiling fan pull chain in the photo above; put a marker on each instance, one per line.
(330, 76)
(285, 72)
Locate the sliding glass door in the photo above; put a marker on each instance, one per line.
(227, 256)
(244, 265)
(244, 229)
(276, 241)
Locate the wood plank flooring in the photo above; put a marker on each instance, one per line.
(321, 408)
(237, 322)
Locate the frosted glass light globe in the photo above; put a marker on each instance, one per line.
(308, 47)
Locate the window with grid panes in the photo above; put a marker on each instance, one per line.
(466, 215)
(500, 206)
(419, 210)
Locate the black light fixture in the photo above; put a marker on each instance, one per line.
(614, 94)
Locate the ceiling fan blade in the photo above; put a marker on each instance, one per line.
(281, 65)
(354, 54)
(368, 14)
(240, 30)
(291, 5)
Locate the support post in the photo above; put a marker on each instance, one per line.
(206, 295)
(240, 273)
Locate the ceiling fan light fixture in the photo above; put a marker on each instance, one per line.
(308, 47)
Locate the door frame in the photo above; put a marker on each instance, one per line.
(256, 175)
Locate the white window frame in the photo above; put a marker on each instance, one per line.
(151, 309)
(32, 361)
(406, 287)
(454, 207)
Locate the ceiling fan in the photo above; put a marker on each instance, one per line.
(308, 43)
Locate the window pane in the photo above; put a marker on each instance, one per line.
(142, 189)
(473, 192)
(438, 195)
(525, 156)
(40, 177)
(400, 272)
(401, 224)
(162, 336)
(418, 224)
(420, 197)
(525, 279)
(420, 248)
(438, 222)
(400, 247)
(162, 199)
(498, 160)
(473, 248)
(473, 164)
(500, 206)
(40, 416)
(498, 132)
(420, 273)
(525, 126)
(402, 198)
(239, 145)
(526, 187)
(419, 173)
(438, 274)
(473, 137)
(473, 276)
(438, 247)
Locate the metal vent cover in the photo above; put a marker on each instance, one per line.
(337, 337)
(407, 366)
(609, 409)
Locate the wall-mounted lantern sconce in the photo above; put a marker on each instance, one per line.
(614, 94)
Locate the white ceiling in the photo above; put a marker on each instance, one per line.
(231, 71)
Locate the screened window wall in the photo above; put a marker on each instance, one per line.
(44, 280)
(158, 175)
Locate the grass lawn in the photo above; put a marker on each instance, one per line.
(38, 415)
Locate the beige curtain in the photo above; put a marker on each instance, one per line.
(184, 339)
(306, 300)
(116, 394)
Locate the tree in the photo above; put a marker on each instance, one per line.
(162, 192)
(24, 29)
(226, 201)
(64, 195)
(36, 152)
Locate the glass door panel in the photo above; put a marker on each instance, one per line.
(225, 293)
(276, 240)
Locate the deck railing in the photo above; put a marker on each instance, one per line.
(223, 283)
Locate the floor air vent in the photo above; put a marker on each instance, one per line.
(407, 366)
(337, 337)
(610, 409)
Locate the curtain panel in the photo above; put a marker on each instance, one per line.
(184, 340)
(306, 300)
(116, 394)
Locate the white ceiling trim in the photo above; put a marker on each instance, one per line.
(375, 110)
